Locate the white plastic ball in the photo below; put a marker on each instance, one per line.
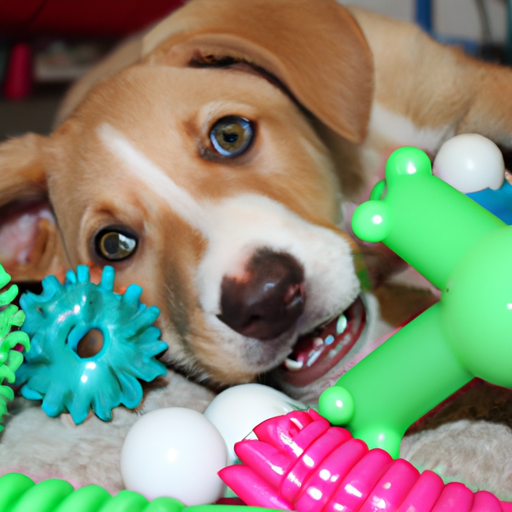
(470, 163)
(237, 410)
(174, 452)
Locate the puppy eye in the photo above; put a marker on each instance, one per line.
(114, 244)
(231, 135)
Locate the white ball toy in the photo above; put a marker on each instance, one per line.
(174, 452)
(470, 163)
(237, 410)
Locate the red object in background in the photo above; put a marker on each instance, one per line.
(60, 18)
(80, 17)
(18, 76)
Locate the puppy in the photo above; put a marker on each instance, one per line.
(215, 161)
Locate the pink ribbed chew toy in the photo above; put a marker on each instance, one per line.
(301, 463)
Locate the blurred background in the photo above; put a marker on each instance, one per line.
(46, 44)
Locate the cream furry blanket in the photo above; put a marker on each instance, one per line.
(42, 447)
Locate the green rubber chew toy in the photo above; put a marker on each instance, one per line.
(465, 252)
(10, 359)
(18, 493)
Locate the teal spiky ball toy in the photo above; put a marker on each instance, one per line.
(90, 346)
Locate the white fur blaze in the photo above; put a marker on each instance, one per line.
(250, 222)
(154, 178)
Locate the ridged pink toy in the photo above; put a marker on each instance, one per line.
(299, 462)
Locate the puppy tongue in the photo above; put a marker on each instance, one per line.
(317, 353)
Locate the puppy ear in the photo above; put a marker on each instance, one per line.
(316, 49)
(30, 245)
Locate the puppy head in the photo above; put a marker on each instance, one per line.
(209, 187)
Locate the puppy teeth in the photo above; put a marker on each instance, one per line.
(318, 342)
(292, 365)
(341, 324)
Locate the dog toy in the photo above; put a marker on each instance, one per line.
(464, 251)
(174, 452)
(199, 444)
(474, 165)
(236, 410)
(90, 346)
(18, 493)
(301, 463)
(10, 358)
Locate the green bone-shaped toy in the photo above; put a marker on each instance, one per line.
(464, 251)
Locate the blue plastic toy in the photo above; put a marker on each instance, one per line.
(498, 202)
(90, 346)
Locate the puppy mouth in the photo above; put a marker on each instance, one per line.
(318, 352)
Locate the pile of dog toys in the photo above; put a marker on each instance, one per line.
(295, 461)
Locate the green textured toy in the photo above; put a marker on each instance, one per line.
(10, 359)
(465, 252)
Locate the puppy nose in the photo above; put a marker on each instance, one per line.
(266, 299)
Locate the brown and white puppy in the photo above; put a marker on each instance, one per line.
(214, 161)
